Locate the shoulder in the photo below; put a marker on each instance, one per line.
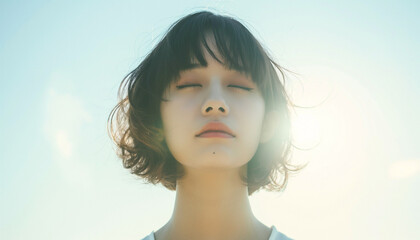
(276, 235)
(149, 237)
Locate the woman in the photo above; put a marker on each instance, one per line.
(205, 114)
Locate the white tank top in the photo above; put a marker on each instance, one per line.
(275, 235)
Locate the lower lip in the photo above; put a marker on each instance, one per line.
(215, 134)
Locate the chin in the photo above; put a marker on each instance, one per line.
(218, 160)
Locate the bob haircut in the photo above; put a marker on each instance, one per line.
(138, 131)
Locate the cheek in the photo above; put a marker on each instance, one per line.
(170, 117)
(176, 112)
(178, 129)
(250, 117)
(177, 117)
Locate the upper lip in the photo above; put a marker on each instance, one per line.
(215, 127)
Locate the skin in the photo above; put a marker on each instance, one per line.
(211, 201)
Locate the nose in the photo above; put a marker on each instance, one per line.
(214, 107)
(215, 103)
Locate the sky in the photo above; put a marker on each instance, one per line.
(61, 63)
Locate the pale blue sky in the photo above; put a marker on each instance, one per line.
(60, 67)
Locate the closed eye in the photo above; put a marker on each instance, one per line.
(199, 85)
(188, 85)
(245, 88)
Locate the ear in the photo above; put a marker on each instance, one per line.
(270, 125)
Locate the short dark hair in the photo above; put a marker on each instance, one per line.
(138, 128)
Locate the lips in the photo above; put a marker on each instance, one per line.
(215, 127)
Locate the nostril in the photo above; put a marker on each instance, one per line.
(211, 108)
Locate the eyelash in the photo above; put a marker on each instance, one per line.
(198, 85)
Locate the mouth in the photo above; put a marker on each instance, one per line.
(215, 129)
(217, 134)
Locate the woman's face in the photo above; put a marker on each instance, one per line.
(218, 95)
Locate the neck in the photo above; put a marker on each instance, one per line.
(213, 204)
